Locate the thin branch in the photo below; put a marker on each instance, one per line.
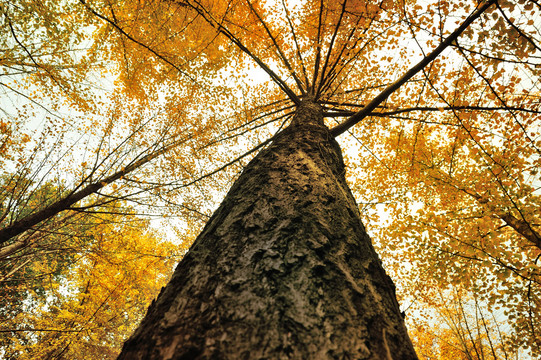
(343, 113)
(318, 49)
(290, 23)
(329, 51)
(281, 54)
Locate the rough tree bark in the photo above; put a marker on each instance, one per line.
(284, 269)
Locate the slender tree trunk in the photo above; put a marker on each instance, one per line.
(284, 269)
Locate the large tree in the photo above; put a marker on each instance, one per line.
(259, 281)
(438, 102)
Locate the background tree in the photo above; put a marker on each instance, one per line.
(456, 325)
(84, 295)
(67, 132)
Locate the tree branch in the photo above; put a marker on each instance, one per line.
(65, 203)
(353, 120)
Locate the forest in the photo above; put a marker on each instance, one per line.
(125, 124)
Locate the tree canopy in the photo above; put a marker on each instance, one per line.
(159, 103)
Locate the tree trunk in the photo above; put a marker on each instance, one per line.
(284, 269)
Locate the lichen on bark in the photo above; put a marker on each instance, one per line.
(284, 269)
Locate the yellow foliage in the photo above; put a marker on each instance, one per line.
(95, 303)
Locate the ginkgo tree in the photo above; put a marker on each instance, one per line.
(83, 297)
(457, 326)
(441, 98)
(437, 103)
